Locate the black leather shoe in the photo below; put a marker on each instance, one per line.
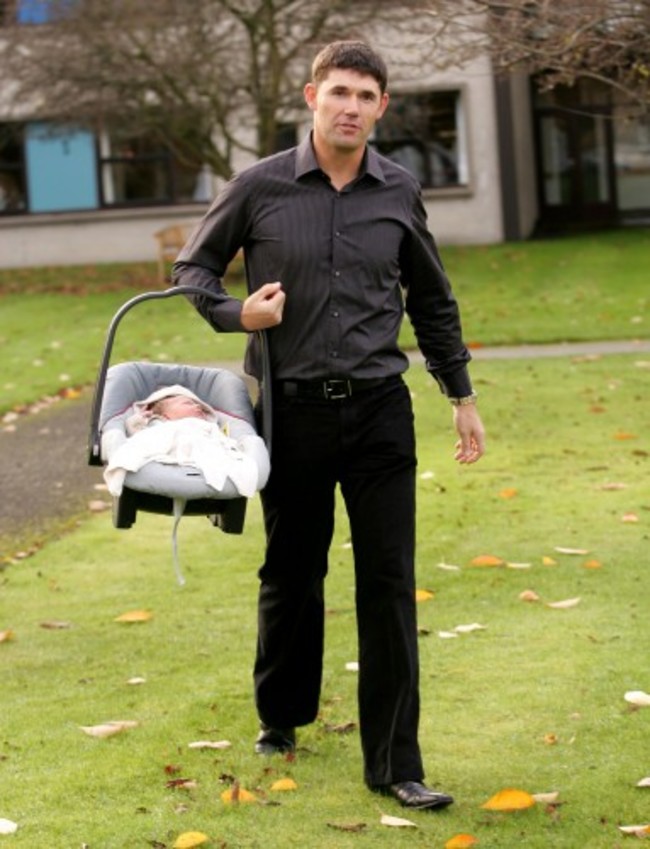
(414, 794)
(275, 741)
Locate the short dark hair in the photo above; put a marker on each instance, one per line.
(350, 56)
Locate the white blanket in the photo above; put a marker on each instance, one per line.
(187, 442)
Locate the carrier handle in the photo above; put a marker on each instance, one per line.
(94, 441)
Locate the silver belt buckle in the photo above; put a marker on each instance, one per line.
(336, 390)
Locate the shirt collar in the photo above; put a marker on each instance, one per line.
(306, 162)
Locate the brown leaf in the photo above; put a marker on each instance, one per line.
(108, 729)
(6, 636)
(528, 595)
(508, 492)
(347, 826)
(55, 625)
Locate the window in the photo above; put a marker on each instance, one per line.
(50, 168)
(13, 195)
(425, 132)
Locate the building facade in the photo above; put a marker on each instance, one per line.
(496, 160)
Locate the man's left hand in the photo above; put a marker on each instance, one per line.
(471, 445)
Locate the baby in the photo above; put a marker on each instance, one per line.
(179, 407)
(170, 404)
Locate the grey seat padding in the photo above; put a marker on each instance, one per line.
(223, 390)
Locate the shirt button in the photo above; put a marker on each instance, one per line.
(337, 273)
(334, 354)
(335, 313)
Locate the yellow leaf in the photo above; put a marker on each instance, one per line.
(508, 492)
(461, 841)
(236, 794)
(509, 799)
(189, 839)
(135, 616)
(624, 435)
(548, 561)
(423, 595)
(6, 636)
(487, 560)
(284, 784)
(550, 739)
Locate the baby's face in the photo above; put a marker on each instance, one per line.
(181, 407)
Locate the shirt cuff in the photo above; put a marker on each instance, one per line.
(455, 384)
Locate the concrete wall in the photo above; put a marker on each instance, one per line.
(88, 237)
(470, 215)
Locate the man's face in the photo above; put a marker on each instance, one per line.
(346, 106)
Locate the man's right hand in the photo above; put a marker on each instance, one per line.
(263, 308)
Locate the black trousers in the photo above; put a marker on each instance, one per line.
(366, 444)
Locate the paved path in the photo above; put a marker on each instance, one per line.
(47, 483)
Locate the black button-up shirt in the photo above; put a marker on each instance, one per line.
(351, 262)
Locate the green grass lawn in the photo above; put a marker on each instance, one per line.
(54, 321)
(534, 700)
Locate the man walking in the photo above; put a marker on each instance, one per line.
(337, 248)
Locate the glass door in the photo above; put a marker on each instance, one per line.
(575, 167)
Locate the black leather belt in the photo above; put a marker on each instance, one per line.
(331, 389)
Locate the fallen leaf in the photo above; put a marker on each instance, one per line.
(181, 784)
(424, 595)
(396, 822)
(447, 635)
(547, 798)
(108, 729)
(461, 841)
(352, 666)
(548, 561)
(189, 839)
(612, 486)
(136, 680)
(508, 492)
(8, 827)
(6, 636)
(550, 739)
(448, 567)
(341, 728)
(645, 782)
(237, 795)
(210, 744)
(98, 506)
(630, 518)
(518, 565)
(467, 629)
(562, 550)
(347, 826)
(635, 830)
(592, 564)
(509, 799)
(565, 604)
(622, 435)
(283, 784)
(135, 616)
(55, 625)
(487, 560)
(638, 698)
(528, 595)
